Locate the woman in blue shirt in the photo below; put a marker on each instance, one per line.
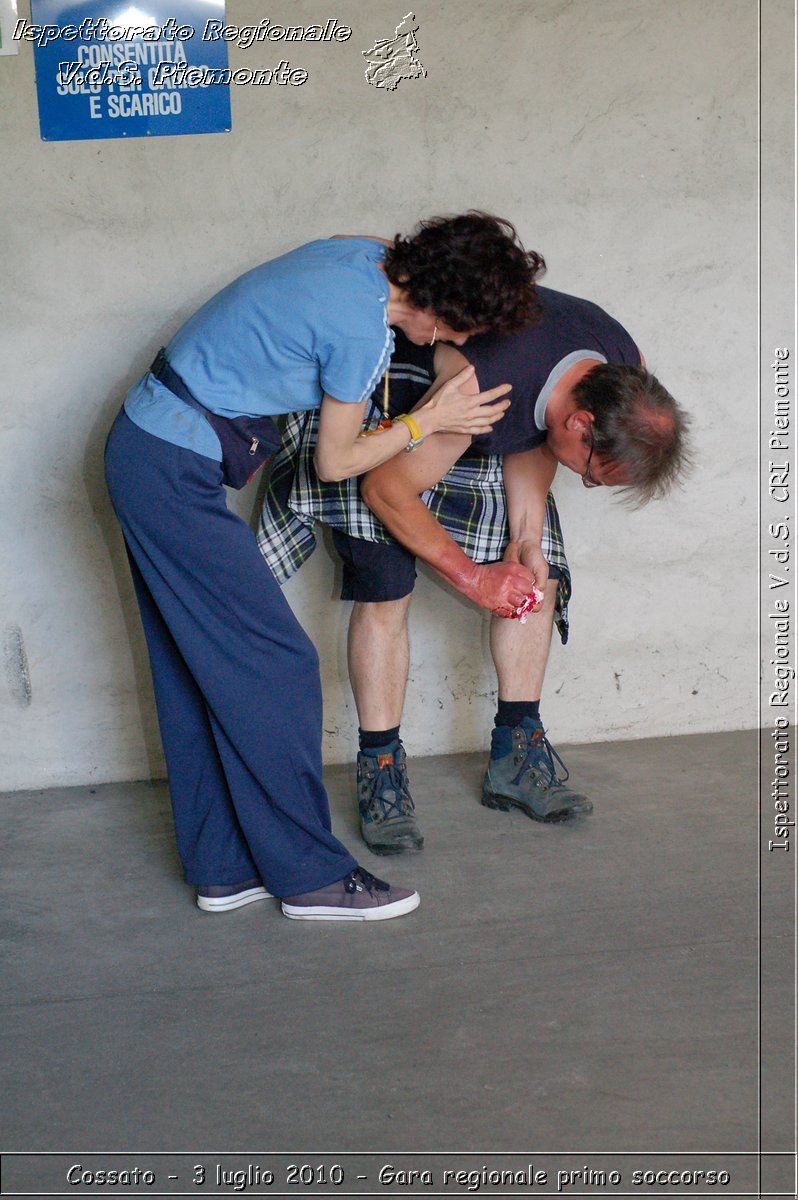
(236, 679)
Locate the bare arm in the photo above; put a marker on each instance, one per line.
(527, 479)
(456, 407)
(393, 492)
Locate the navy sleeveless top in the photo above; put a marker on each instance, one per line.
(535, 359)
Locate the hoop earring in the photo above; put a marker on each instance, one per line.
(434, 335)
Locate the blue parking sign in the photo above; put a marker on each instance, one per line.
(109, 70)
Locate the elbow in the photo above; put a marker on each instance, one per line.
(368, 489)
(327, 470)
(372, 494)
(387, 495)
(325, 476)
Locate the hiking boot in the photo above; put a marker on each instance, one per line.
(522, 774)
(356, 897)
(387, 812)
(224, 898)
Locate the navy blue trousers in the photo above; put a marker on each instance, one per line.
(236, 678)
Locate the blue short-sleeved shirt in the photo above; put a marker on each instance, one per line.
(311, 322)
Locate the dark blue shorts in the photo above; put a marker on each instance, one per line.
(377, 571)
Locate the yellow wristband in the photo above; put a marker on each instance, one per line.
(416, 436)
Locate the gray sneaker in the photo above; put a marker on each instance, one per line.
(522, 774)
(223, 898)
(357, 897)
(387, 812)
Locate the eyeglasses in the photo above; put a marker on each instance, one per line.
(587, 480)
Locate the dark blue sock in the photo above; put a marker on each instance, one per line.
(512, 712)
(378, 739)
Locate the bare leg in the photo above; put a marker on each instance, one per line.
(523, 767)
(521, 652)
(379, 661)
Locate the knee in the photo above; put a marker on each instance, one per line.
(384, 616)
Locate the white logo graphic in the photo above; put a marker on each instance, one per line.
(393, 59)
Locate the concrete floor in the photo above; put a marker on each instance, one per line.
(577, 987)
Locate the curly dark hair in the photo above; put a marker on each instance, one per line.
(638, 425)
(470, 270)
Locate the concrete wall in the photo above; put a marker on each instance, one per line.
(619, 135)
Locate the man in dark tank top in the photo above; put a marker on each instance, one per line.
(582, 398)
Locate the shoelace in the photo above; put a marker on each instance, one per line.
(541, 748)
(389, 779)
(361, 877)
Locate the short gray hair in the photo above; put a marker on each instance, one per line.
(638, 425)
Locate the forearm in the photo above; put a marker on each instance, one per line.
(393, 493)
(406, 516)
(453, 407)
(527, 479)
(337, 461)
